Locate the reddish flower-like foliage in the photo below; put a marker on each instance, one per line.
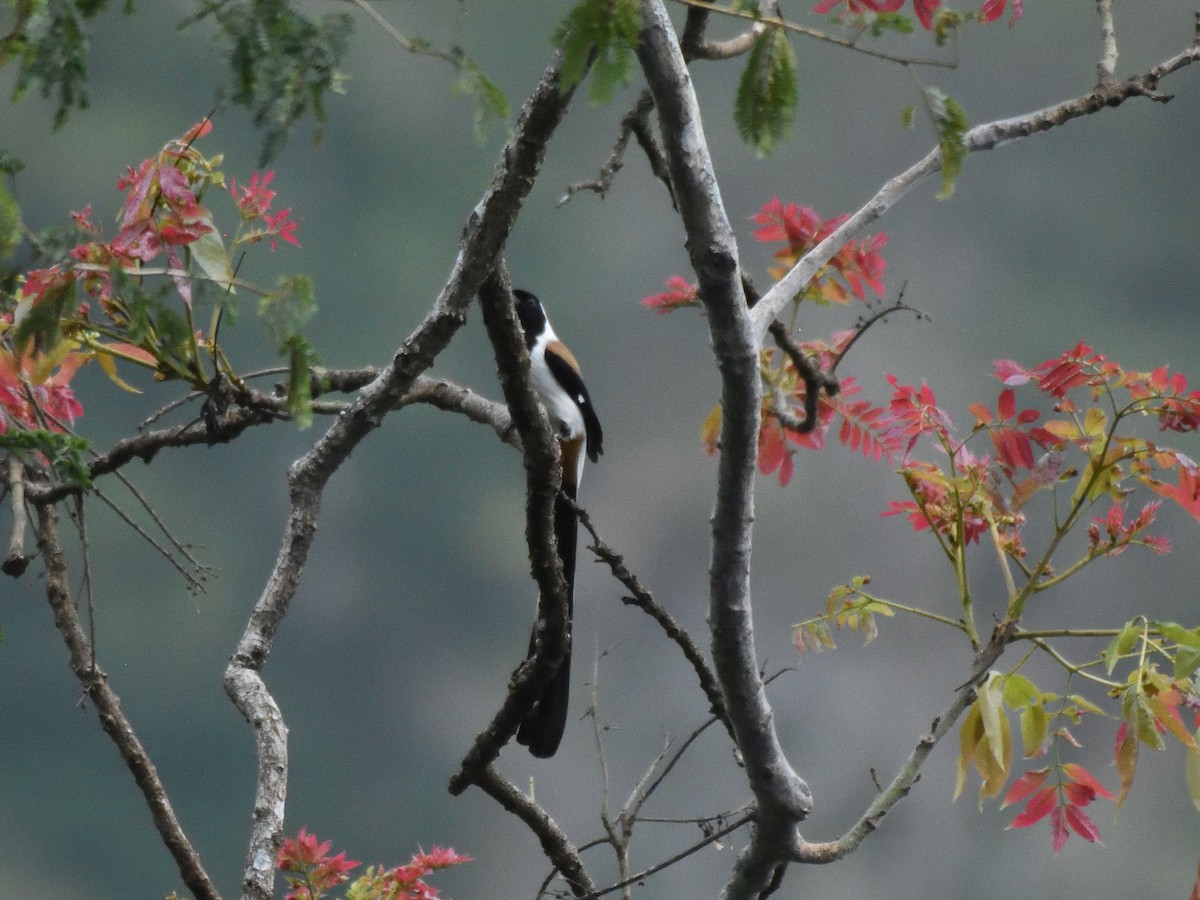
(160, 211)
(1063, 802)
(1186, 493)
(309, 866)
(30, 399)
(409, 879)
(865, 427)
(1121, 534)
(679, 293)
(254, 199)
(858, 263)
(280, 226)
(924, 9)
(994, 9)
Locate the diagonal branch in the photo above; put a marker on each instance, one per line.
(108, 706)
(987, 136)
(484, 236)
(644, 600)
(910, 771)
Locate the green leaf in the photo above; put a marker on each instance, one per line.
(1121, 644)
(604, 34)
(10, 224)
(1034, 726)
(209, 253)
(950, 120)
(1192, 773)
(991, 709)
(767, 93)
(63, 451)
(1020, 692)
(491, 105)
(1187, 637)
(283, 63)
(301, 359)
(284, 312)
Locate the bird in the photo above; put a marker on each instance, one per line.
(557, 380)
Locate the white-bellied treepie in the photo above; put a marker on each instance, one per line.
(556, 377)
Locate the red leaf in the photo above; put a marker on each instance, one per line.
(1007, 407)
(1038, 807)
(1024, 786)
(1081, 824)
(1011, 373)
(1058, 830)
(1080, 775)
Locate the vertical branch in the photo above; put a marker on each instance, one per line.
(783, 797)
(540, 452)
(108, 706)
(15, 559)
(1107, 67)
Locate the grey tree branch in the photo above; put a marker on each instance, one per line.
(644, 600)
(555, 843)
(982, 137)
(108, 707)
(1106, 69)
(542, 482)
(783, 799)
(909, 772)
(484, 236)
(15, 560)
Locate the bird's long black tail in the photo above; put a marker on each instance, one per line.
(542, 729)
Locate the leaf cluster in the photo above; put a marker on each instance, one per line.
(283, 62)
(605, 34)
(767, 92)
(50, 45)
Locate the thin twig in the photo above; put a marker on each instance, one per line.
(644, 600)
(817, 34)
(672, 860)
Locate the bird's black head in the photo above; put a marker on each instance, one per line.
(530, 314)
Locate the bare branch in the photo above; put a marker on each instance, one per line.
(542, 483)
(1107, 67)
(633, 122)
(762, 20)
(711, 838)
(15, 560)
(910, 771)
(486, 231)
(108, 705)
(782, 796)
(644, 600)
(555, 843)
(982, 137)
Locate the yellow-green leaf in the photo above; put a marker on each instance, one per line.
(991, 710)
(109, 365)
(1169, 716)
(1034, 725)
(209, 253)
(970, 732)
(992, 769)
(1192, 773)
(1126, 763)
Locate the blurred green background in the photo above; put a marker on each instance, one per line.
(417, 601)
